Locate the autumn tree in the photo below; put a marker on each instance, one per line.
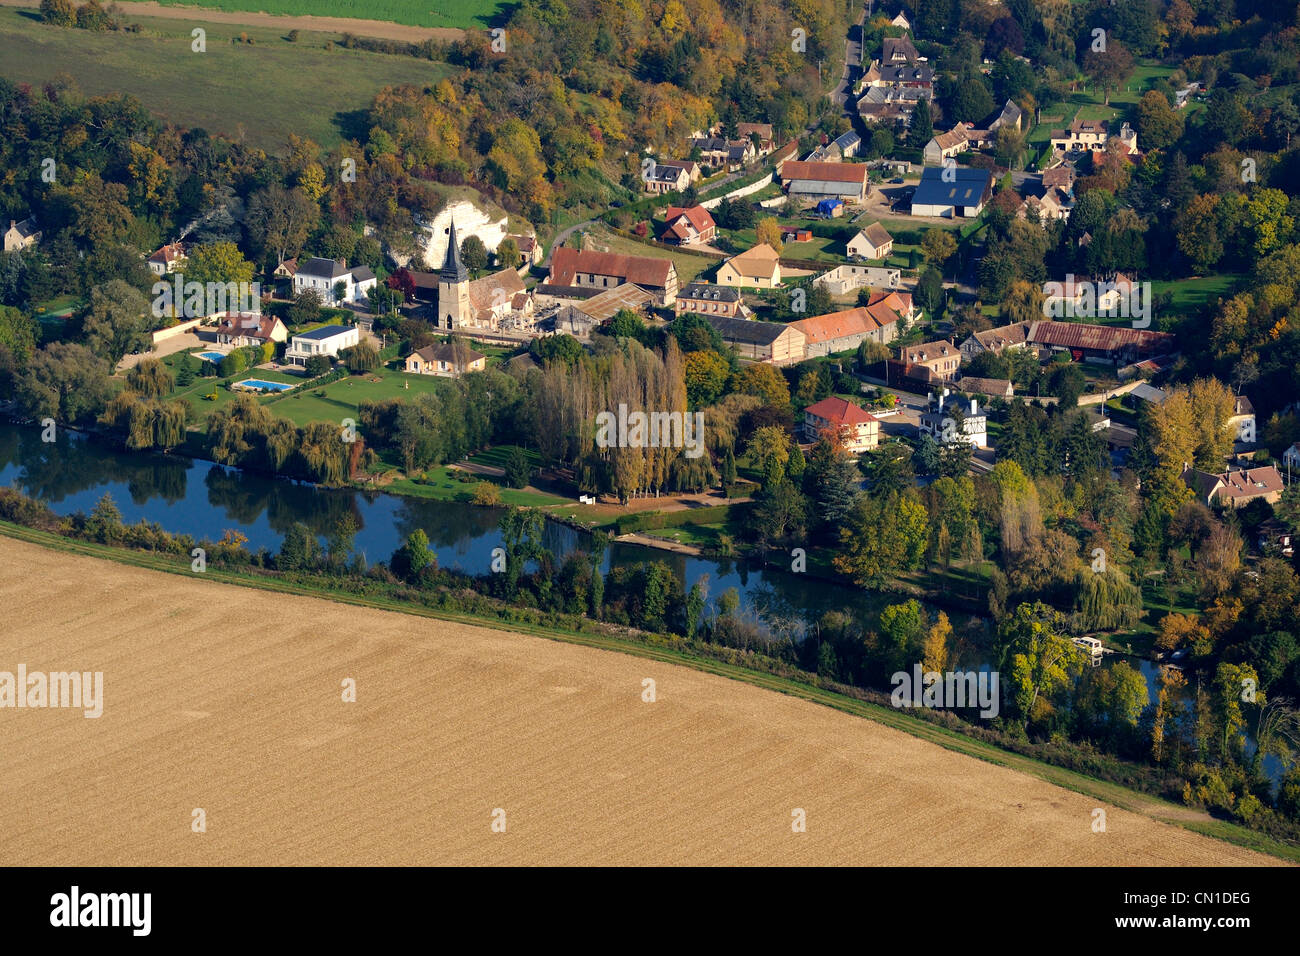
(768, 231)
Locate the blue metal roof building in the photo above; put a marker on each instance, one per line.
(962, 196)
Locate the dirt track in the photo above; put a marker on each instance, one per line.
(370, 28)
(228, 699)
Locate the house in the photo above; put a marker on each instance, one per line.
(1291, 457)
(327, 275)
(901, 21)
(1145, 392)
(962, 194)
(1234, 488)
(941, 357)
(940, 421)
(756, 268)
(773, 343)
(856, 429)
(849, 277)
(847, 329)
(445, 359)
(239, 329)
(286, 269)
(530, 250)
(918, 76)
(1054, 204)
(662, 178)
(1060, 176)
(167, 259)
(817, 181)
(688, 225)
(709, 299)
(901, 302)
(898, 50)
(586, 269)
(845, 146)
(1242, 420)
(764, 133)
(997, 341)
(945, 146)
(328, 340)
(21, 235)
(1011, 116)
(874, 242)
(889, 106)
(693, 170)
(1183, 97)
(730, 153)
(1092, 136)
(992, 387)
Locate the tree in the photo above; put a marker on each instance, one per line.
(518, 470)
(1158, 124)
(706, 375)
(305, 309)
(937, 652)
(116, 321)
(315, 366)
(18, 332)
(61, 13)
(218, 262)
(474, 255)
(149, 378)
(1031, 640)
(922, 128)
(902, 628)
(508, 254)
(882, 537)
(764, 381)
(300, 549)
(1067, 383)
(778, 514)
(414, 558)
(939, 246)
(831, 480)
(1109, 68)
(768, 231)
(362, 357)
(280, 220)
(64, 381)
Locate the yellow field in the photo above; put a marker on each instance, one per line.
(229, 700)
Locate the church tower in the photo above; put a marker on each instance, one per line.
(454, 308)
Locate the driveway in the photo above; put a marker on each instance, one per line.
(177, 343)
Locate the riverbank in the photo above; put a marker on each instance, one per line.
(740, 666)
(233, 745)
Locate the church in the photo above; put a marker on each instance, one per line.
(487, 303)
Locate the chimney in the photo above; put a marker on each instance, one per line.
(343, 263)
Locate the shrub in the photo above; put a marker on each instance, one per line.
(486, 493)
(518, 471)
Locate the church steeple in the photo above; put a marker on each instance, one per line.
(453, 270)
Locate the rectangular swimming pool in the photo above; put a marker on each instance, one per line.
(258, 385)
(213, 357)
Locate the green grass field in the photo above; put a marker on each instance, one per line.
(420, 13)
(442, 485)
(1190, 295)
(342, 398)
(262, 91)
(688, 267)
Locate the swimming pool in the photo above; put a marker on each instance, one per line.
(213, 357)
(258, 385)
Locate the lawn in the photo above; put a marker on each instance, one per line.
(419, 13)
(496, 457)
(342, 398)
(1190, 295)
(259, 92)
(442, 485)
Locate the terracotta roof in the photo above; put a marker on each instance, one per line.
(1003, 336)
(458, 355)
(930, 351)
(567, 263)
(954, 137)
(840, 411)
(1062, 175)
(168, 253)
(1235, 485)
(251, 325)
(837, 325)
(825, 172)
(499, 287)
(985, 386)
(697, 216)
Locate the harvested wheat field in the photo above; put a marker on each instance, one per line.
(229, 699)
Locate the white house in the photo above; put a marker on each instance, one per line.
(940, 424)
(21, 235)
(167, 259)
(874, 242)
(328, 340)
(324, 275)
(848, 278)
